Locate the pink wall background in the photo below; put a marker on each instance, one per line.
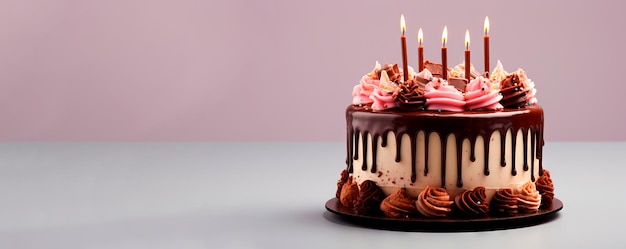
(185, 70)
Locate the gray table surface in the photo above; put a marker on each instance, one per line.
(260, 195)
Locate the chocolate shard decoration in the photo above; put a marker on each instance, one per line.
(436, 69)
(458, 83)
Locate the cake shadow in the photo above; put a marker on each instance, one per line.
(436, 228)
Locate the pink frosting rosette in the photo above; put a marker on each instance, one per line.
(479, 95)
(362, 91)
(382, 96)
(441, 96)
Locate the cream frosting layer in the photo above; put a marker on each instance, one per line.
(391, 175)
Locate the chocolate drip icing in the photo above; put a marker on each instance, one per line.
(525, 139)
(459, 153)
(398, 148)
(444, 145)
(364, 162)
(361, 121)
(486, 146)
(540, 143)
(513, 146)
(349, 157)
(502, 144)
(413, 158)
(472, 149)
(374, 152)
(357, 134)
(532, 155)
(426, 140)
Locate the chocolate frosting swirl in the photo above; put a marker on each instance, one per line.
(513, 92)
(398, 205)
(504, 202)
(545, 188)
(473, 202)
(342, 180)
(369, 198)
(410, 96)
(434, 202)
(349, 192)
(435, 68)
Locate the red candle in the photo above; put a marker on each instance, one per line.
(444, 53)
(420, 51)
(405, 64)
(486, 44)
(468, 65)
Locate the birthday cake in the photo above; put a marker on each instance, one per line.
(444, 147)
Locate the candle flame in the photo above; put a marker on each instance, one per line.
(420, 36)
(444, 36)
(402, 24)
(486, 25)
(467, 39)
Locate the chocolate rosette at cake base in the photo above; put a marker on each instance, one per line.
(472, 203)
(434, 202)
(399, 205)
(528, 198)
(504, 203)
(369, 199)
(349, 193)
(546, 189)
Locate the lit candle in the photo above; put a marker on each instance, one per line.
(467, 56)
(486, 44)
(420, 51)
(405, 64)
(444, 53)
